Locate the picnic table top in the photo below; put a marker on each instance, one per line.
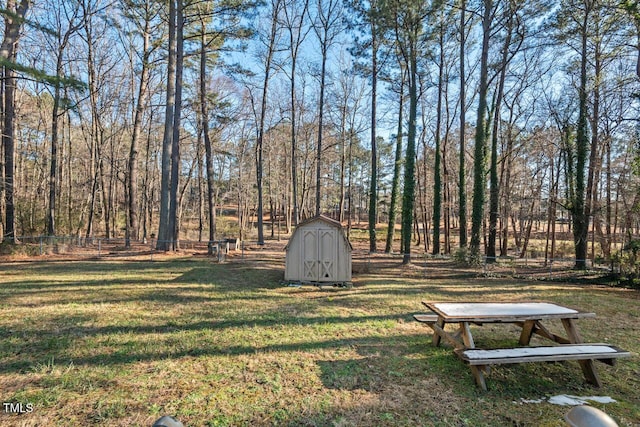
(502, 311)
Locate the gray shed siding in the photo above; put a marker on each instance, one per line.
(318, 251)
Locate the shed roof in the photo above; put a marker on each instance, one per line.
(332, 222)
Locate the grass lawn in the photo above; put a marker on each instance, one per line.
(120, 343)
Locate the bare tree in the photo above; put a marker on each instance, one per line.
(369, 21)
(69, 21)
(294, 16)
(271, 46)
(327, 27)
(513, 40)
(142, 13)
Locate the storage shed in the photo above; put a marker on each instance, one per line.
(318, 253)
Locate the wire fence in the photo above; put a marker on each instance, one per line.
(274, 250)
(484, 264)
(101, 247)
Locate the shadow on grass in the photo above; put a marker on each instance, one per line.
(126, 354)
(162, 282)
(52, 267)
(396, 360)
(193, 282)
(392, 368)
(41, 343)
(134, 293)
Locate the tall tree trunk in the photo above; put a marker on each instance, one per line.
(446, 174)
(105, 192)
(527, 228)
(200, 171)
(408, 196)
(462, 191)
(549, 251)
(133, 231)
(174, 225)
(8, 134)
(294, 147)
(595, 160)
(480, 150)
(446, 195)
(93, 172)
(328, 16)
(97, 130)
(421, 213)
(608, 239)
(579, 208)
(395, 184)
(343, 160)
(147, 188)
(204, 116)
(437, 178)
(182, 190)
(505, 179)
(494, 185)
(69, 184)
(323, 75)
(53, 170)
(164, 231)
(275, 5)
(373, 184)
(8, 52)
(296, 37)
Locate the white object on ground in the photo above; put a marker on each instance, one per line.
(522, 400)
(569, 400)
(566, 399)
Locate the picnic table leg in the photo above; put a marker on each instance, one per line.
(478, 375)
(538, 329)
(589, 371)
(528, 328)
(572, 331)
(588, 366)
(439, 333)
(477, 371)
(467, 338)
(436, 335)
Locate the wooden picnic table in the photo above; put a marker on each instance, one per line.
(531, 318)
(528, 315)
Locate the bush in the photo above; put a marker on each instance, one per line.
(227, 227)
(627, 265)
(467, 257)
(19, 249)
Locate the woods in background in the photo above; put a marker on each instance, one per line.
(476, 126)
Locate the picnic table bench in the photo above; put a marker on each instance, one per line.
(426, 317)
(529, 316)
(481, 359)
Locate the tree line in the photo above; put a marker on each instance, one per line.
(474, 125)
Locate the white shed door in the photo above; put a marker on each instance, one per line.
(319, 255)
